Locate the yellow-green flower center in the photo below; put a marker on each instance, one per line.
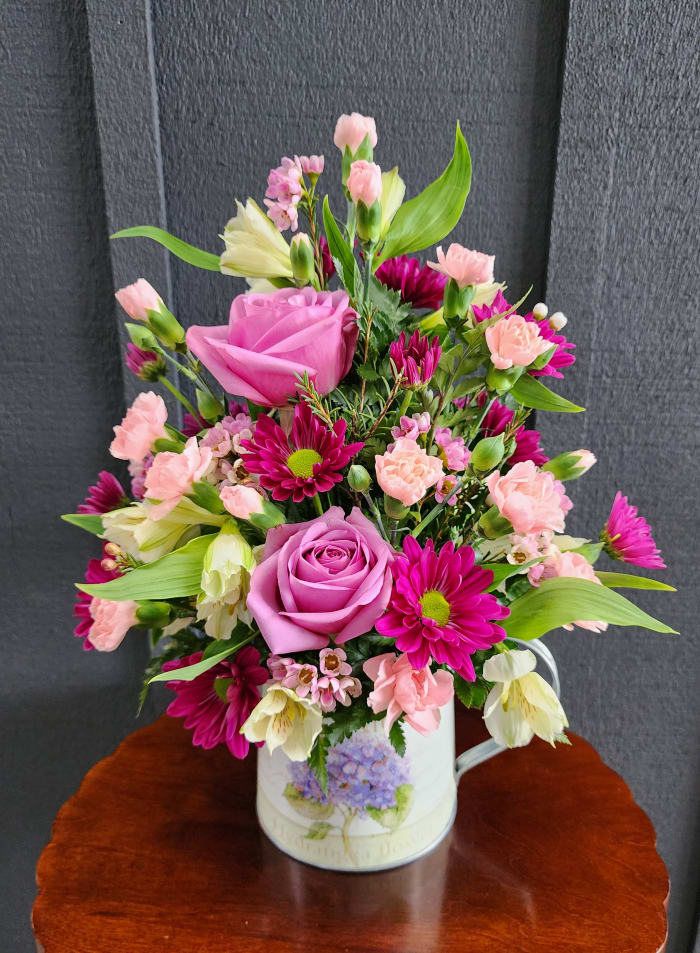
(302, 462)
(433, 605)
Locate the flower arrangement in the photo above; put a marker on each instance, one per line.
(352, 520)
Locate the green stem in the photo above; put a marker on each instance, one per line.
(487, 407)
(369, 255)
(376, 514)
(405, 403)
(317, 504)
(351, 224)
(181, 397)
(435, 510)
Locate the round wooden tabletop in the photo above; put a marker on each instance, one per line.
(160, 852)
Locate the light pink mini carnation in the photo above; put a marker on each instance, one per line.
(412, 426)
(241, 501)
(401, 689)
(365, 182)
(173, 474)
(465, 266)
(533, 500)
(515, 342)
(144, 423)
(406, 472)
(110, 623)
(573, 566)
(137, 298)
(351, 130)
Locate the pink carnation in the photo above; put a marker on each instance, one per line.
(351, 130)
(533, 500)
(365, 182)
(173, 474)
(241, 501)
(515, 342)
(465, 266)
(144, 423)
(573, 566)
(406, 472)
(110, 623)
(138, 298)
(400, 689)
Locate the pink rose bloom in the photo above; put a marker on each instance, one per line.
(241, 501)
(411, 426)
(110, 623)
(327, 578)
(401, 689)
(270, 338)
(533, 500)
(144, 423)
(173, 474)
(351, 130)
(515, 342)
(573, 566)
(465, 266)
(310, 165)
(406, 472)
(137, 298)
(365, 182)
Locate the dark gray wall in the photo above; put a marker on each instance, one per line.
(582, 130)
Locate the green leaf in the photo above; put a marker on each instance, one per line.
(430, 216)
(393, 817)
(471, 694)
(92, 522)
(317, 761)
(206, 496)
(340, 250)
(190, 254)
(623, 580)
(397, 738)
(306, 806)
(529, 392)
(368, 373)
(502, 571)
(214, 653)
(319, 830)
(174, 575)
(344, 722)
(590, 550)
(563, 599)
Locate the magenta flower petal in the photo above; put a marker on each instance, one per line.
(417, 357)
(95, 573)
(106, 495)
(419, 286)
(527, 442)
(627, 536)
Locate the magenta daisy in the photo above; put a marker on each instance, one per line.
(627, 536)
(527, 442)
(559, 359)
(106, 495)
(416, 357)
(147, 365)
(438, 608)
(418, 285)
(217, 702)
(95, 573)
(307, 462)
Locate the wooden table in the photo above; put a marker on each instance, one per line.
(160, 852)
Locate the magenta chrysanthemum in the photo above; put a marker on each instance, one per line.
(559, 359)
(94, 573)
(627, 536)
(217, 702)
(416, 357)
(307, 462)
(527, 442)
(106, 495)
(147, 365)
(418, 285)
(438, 608)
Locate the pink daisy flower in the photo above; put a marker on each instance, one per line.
(627, 536)
(417, 357)
(307, 462)
(217, 702)
(106, 495)
(438, 608)
(418, 285)
(95, 573)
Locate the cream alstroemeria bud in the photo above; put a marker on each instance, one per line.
(558, 320)
(254, 246)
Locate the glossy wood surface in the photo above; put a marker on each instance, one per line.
(160, 852)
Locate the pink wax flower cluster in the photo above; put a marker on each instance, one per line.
(532, 500)
(453, 452)
(172, 475)
(400, 689)
(627, 536)
(334, 684)
(411, 427)
(406, 472)
(514, 342)
(143, 425)
(464, 266)
(284, 188)
(416, 358)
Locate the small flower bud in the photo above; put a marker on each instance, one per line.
(141, 336)
(112, 549)
(558, 320)
(166, 327)
(369, 222)
(109, 565)
(457, 300)
(488, 453)
(147, 365)
(540, 310)
(154, 615)
(359, 478)
(138, 298)
(502, 380)
(302, 257)
(208, 407)
(570, 465)
(394, 509)
(493, 525)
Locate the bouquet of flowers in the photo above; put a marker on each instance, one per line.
(351, 520)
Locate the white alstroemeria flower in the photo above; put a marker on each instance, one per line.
(139, 536)
(284, 720)
(521, 704)
(226, 570)
(254, 246)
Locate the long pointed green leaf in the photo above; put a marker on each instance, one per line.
(623, 580)
(431, 215)
(502, 571)
(216, 652)
(340, 250)
(172, 576)
(92, 522)
(530, 392)
(190, 254)
(561, 600)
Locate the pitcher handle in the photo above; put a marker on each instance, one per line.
(487, 749)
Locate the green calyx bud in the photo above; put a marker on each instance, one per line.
(208, 407)
(570, 465)
(457, 300)
(162, 445)
(166, 327)
(302, 257)
(271, 516)
(141, 336)
(488, 453)
(153, 615)
(502, 381)
(369, 221)
(359, 478)
(493, 525)
(394, 509)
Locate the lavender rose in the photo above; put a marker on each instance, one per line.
(271, 338)
(326, 578)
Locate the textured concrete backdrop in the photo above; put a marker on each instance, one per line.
(582, 125)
